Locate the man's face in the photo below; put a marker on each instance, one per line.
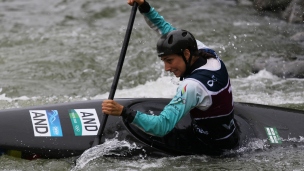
(175, 64)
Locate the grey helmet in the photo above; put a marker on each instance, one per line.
(175, 42)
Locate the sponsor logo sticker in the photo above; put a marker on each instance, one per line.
(46, 123)
(212, 81)
(180, 98)
(273, 135)
(85, 122)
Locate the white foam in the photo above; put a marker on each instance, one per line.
(294, 139)
(261, 88)
(3, 97)
(266, 88)
(262, 74)
(163, 87)
(253, 145)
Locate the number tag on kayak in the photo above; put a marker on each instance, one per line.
(273, 135)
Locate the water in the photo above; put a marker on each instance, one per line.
(57, 51)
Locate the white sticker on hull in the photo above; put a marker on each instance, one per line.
(46, 123)
(85, 121)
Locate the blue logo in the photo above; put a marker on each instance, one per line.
(54, 123)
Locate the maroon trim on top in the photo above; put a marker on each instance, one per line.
(222, 105)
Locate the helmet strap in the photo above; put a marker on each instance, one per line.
(188, 65)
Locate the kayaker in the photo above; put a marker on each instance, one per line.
(204, 93)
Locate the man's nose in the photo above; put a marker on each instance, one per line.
(167, 67)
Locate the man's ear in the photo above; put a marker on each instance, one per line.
(187, 54)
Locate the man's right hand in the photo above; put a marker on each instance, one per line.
(110, 107)
(139, 2)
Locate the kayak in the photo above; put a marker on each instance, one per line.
(68, 129)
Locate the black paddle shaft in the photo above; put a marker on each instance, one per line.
(118, 71)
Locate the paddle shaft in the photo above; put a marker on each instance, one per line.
(118, 71)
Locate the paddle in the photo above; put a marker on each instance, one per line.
(118, 71)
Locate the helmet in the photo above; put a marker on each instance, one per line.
(175, 42)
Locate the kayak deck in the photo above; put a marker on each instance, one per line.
(21, 128)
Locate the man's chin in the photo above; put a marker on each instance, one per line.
(177, 75)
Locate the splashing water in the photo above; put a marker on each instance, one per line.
(112, 147)
(253, 145)
(299, 140)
